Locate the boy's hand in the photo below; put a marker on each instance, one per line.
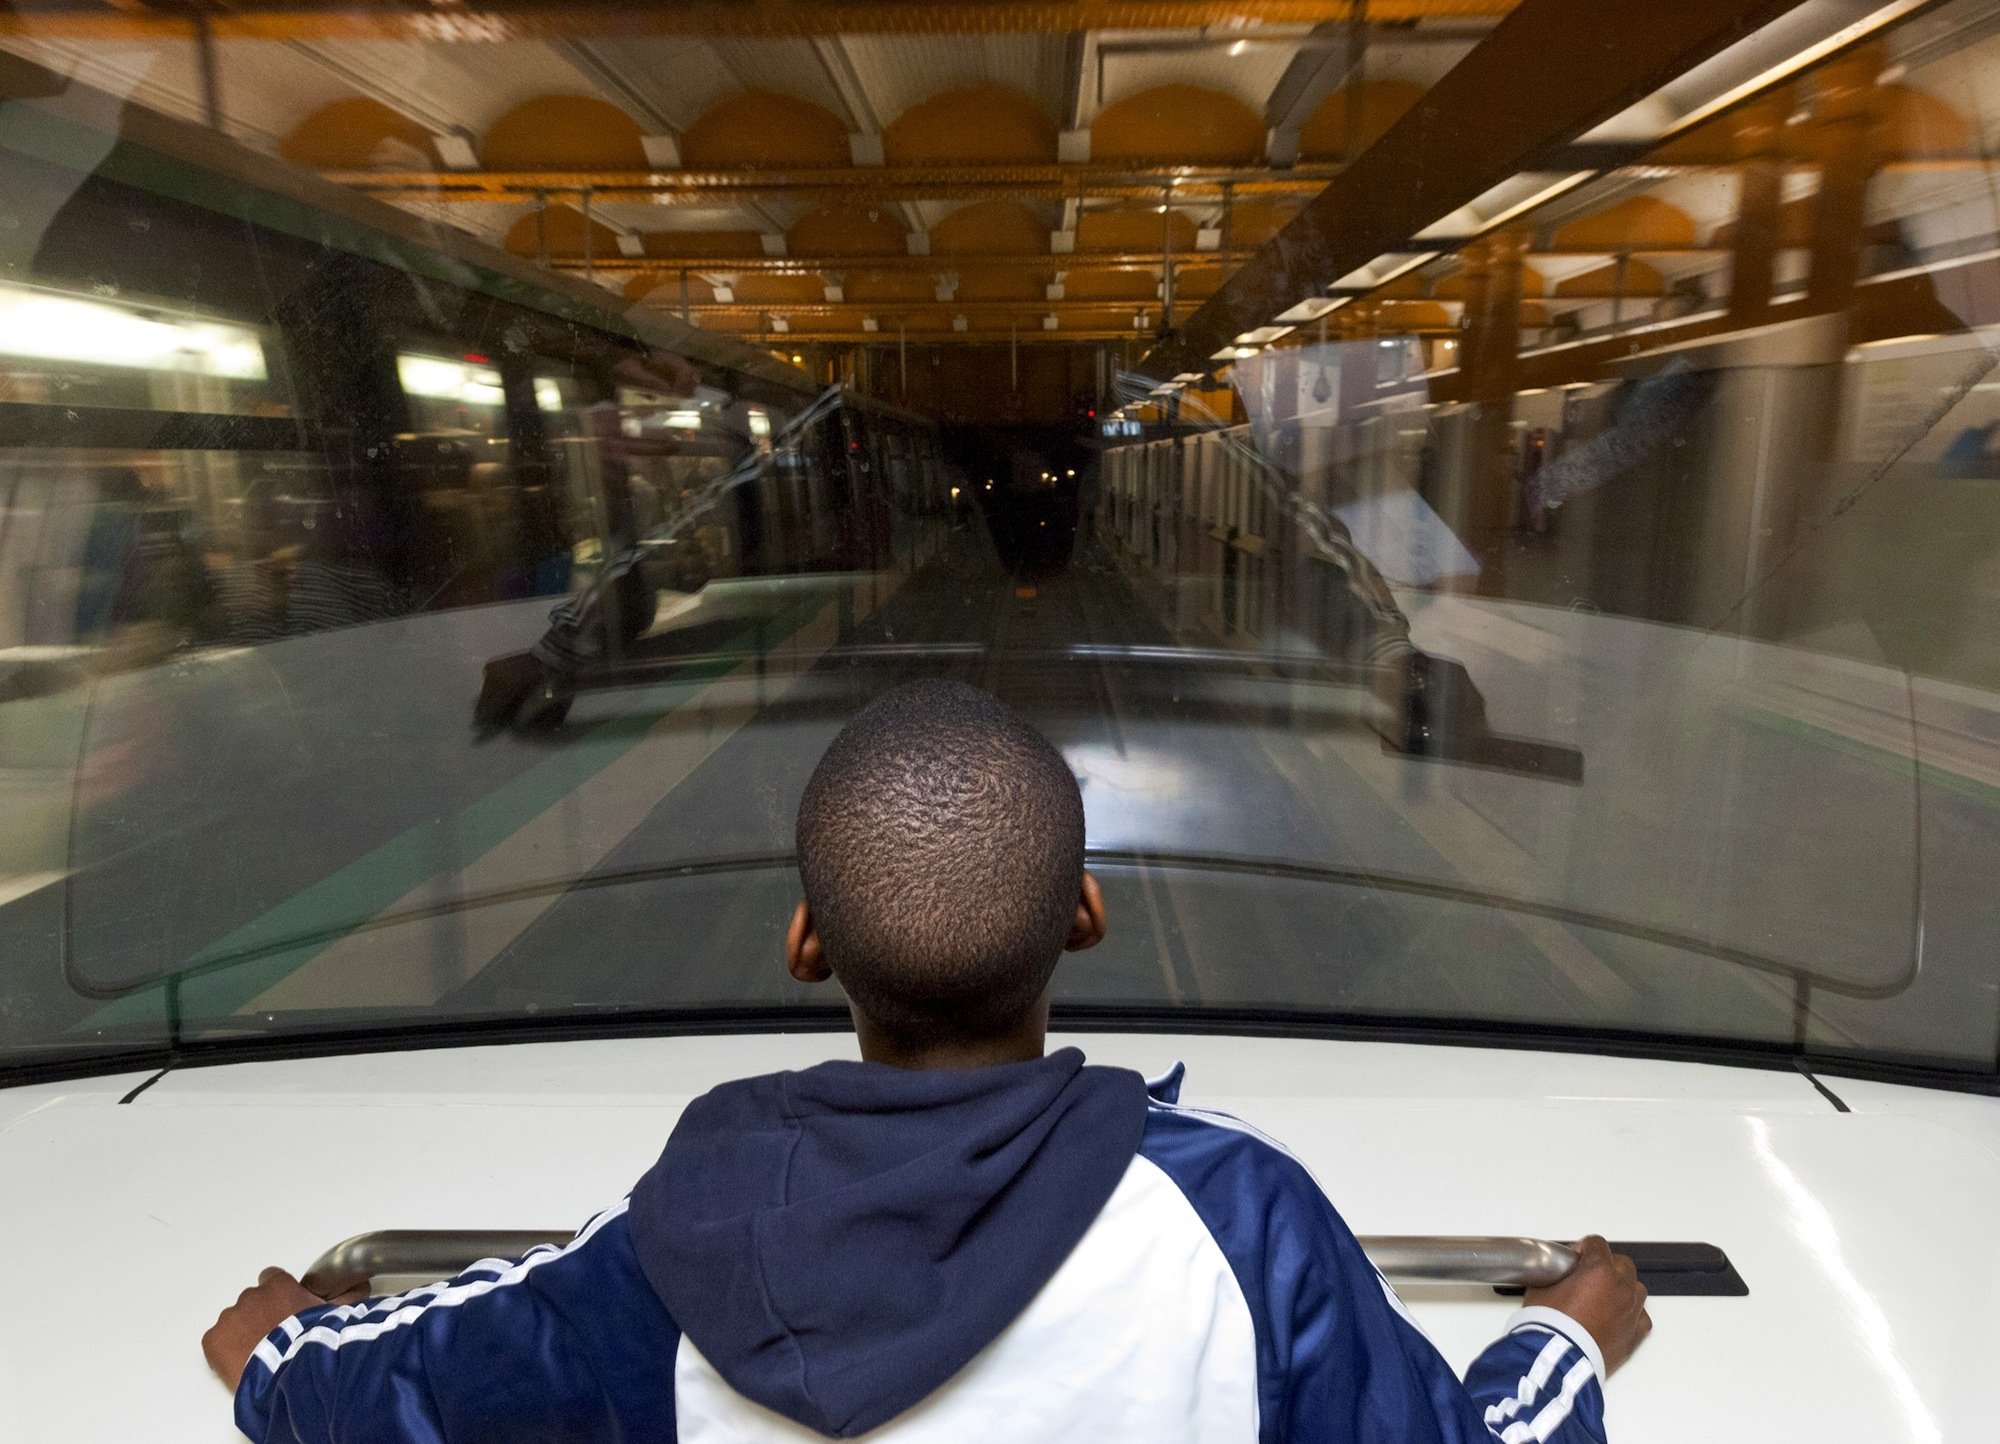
(1602, 1293)
(241, 1327)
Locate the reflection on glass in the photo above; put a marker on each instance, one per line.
(1576, 618)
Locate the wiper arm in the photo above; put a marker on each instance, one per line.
(1365, 878)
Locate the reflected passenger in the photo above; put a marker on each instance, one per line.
(957, 1239)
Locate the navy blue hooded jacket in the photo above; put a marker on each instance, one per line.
(1036, 1251)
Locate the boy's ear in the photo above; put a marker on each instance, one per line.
(803, 955)
(1086, 930)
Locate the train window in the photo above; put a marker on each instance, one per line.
(458, 394)
(70, 350)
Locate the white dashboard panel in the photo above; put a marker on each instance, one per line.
(1865, 1238)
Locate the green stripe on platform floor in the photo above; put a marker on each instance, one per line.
(284, 938)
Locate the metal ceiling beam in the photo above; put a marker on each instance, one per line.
(1025, 336)
(1116, 314)
(1548, 73)
(815, 265)
(498, 20)
(853, 184)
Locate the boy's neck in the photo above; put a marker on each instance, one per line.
(1023, 1044)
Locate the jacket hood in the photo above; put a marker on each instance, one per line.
(839, 1242)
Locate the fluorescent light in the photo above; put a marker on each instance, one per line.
(1186, 376)
(548, 395)
(1383, 269)
(1263, 335)
(50, 326)
(444, 380)
(1501, 203)
(1798, 39)
(1311, 309)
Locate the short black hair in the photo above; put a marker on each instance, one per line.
(940, 841)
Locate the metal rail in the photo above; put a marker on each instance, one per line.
(427, 1254)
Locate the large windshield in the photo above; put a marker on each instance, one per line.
(1498, 504)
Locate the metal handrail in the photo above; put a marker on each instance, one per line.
(436, 1253)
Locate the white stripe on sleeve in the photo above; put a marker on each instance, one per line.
(1534, 1431)
(1539, 1374)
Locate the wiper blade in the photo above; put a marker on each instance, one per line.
(1218, 863)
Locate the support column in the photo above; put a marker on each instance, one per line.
(1760, 176)
(1846, 132)
(1487, 504)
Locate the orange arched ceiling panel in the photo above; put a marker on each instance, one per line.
(979, 123)
(994, 283)
(564, 132)
(1178, 124)
(1640, 221)
(1324, 135)
(1917, 123)
(356, 133)
(1415, 315)
(876, 287)
(1640, 280)
(760, 290)
(1196, 283)
(565, 234)
(704, 243)
(1135, 286)
(844, 232)
(1133, 229)
(664, 290)
(762, 127)
(1794, 225)
(1251, 223)
(1452, 287)
(990, 226)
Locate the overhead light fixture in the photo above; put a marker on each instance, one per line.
(1796, 40)
(1189, 377)
(1234, 353)
(1382, 270)
(1499, 204)
(1311, 309)
(1264, 335)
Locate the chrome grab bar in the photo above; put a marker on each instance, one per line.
(1464, 1259)
(427, 1254)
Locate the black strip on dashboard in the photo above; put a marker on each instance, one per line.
(1826, 1092)
(145, 1085)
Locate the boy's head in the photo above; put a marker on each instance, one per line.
(940, 841)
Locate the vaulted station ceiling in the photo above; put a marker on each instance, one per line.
(1086, 171)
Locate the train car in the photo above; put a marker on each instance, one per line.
(254, 429)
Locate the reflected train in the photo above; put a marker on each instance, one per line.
(288, 408)
(281, 466)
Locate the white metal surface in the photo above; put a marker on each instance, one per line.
(1865, 1238)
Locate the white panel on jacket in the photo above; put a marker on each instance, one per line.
(1141, 1335)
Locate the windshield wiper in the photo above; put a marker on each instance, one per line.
(1799, 974)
